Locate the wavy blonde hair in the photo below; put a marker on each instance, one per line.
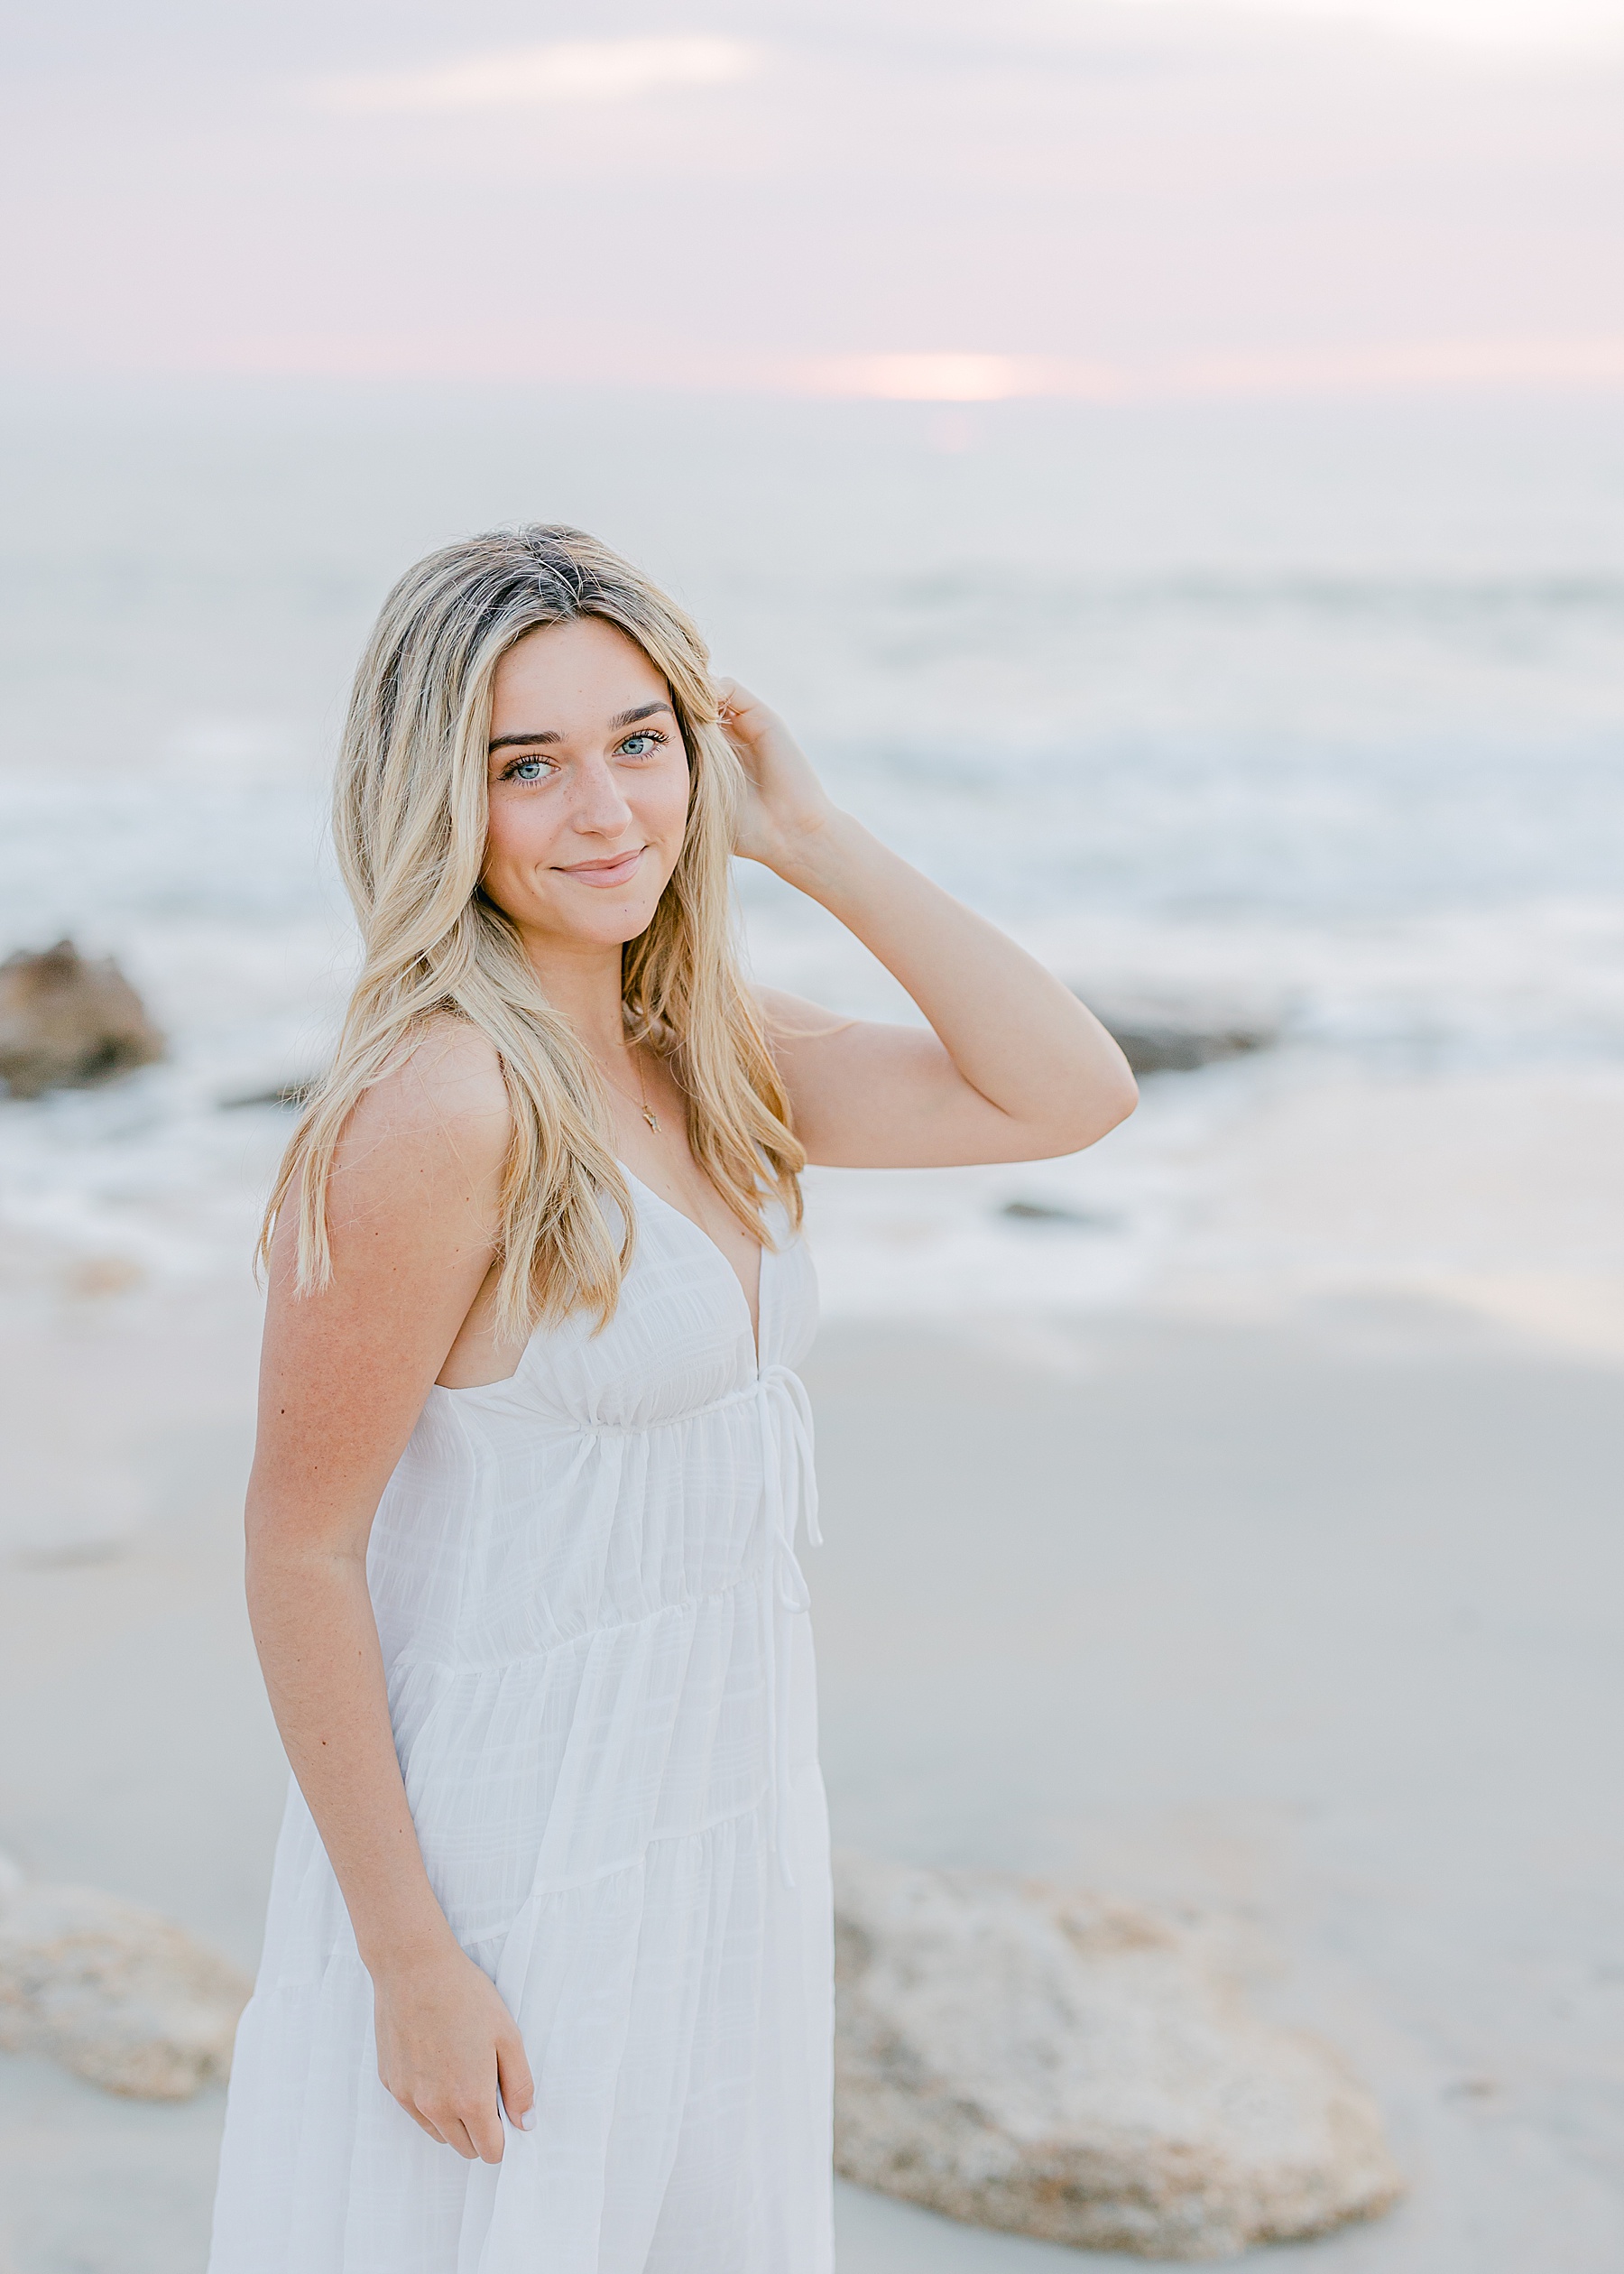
(409, 818)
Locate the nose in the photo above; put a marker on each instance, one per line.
(600, 807)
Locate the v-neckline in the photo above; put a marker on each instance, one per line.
(754, 1319)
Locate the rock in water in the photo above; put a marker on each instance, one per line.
(1023, 2056)
(66, 1024)
(1168, 1038)
(121, 1996)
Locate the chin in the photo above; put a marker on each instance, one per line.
(619, 924)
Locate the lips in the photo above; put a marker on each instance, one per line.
(604, 875)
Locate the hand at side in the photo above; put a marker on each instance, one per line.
(449, 2051)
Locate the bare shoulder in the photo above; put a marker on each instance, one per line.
(791, 1018)
(413, 1213)
(439, 1114)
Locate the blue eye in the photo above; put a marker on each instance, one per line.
(528, 770)
(646, 738)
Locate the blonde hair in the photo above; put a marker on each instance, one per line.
(409, 819)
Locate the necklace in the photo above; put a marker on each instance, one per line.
(645, 1109)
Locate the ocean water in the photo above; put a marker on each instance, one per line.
(1313, 712)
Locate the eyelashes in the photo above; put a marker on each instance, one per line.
(652, 735)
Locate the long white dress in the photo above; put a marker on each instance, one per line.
(601, 1683)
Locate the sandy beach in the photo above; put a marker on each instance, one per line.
(1302, 1609)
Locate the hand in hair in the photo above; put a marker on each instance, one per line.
(785, 806)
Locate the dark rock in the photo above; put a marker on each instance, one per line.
(285, 1094)
(1049, 1212)
(1155, 1039)
(67, 1024)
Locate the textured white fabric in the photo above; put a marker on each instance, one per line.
(602, 1687)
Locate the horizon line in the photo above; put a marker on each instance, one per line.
(948, 377)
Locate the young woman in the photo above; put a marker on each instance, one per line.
(547, 1980)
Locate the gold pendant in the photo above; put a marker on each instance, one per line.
(650, 1119)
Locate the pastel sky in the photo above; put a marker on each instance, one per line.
(1100, 198)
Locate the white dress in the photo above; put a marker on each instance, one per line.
(601, 1683)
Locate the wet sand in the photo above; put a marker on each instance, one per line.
(1317, 1618)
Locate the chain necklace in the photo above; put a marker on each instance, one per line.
(645, 1109)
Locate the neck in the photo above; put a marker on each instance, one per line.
(583, 983)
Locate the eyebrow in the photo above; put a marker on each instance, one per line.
(621, 718)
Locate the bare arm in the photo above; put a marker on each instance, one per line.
(1013, 1068)
(343, 1375)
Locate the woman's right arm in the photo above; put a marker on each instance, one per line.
(412, 1208)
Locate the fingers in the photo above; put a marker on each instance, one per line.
(451, 2055)
(735, 706)
(482, 2129)
(516, 2084)
(474, 2132)
(437, 2130)
(469, 2124)
(456, 2136)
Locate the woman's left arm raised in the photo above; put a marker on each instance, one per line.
(1012, 1067)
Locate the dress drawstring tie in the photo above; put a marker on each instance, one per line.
(790, 1488)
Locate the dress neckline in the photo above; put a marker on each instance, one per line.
(755, 1323)
(755, 1328)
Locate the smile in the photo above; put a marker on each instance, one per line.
(605, 873)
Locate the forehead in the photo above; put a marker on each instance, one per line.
(570, 676)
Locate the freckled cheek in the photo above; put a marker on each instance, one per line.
(662, 812)
(517, 841)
